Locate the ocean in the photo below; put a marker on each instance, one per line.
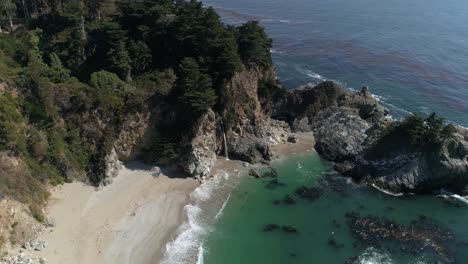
(414, 57)
(412, 54)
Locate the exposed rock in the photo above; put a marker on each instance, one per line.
(339, 133)
(156, 171)
(346, 126)
(292, 139)
(50, 222)
(254, 173)
(202, 154)
(113, 166)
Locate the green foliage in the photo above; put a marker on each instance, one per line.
(72, 67)
(37, 213)
(105, 80)
(12, 128)
(164, 151)
(140, 55)
(57, 73)
(415, 134)
(119, 60)
(160, 83)
(254, 44)
(195, 87)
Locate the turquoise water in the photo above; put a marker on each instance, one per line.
(413, 54)
(238, 235)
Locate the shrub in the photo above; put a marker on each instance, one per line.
(37, 213)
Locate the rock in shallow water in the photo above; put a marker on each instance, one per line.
(309, 193)
(421, 235)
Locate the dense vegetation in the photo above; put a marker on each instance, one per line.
(71, 72)
(413, 134)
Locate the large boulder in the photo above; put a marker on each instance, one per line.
(339, 133)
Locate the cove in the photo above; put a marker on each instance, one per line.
(325, 233)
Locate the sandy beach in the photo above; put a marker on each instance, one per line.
(128, 221)
(132, 219)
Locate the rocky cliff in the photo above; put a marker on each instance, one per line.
(248, 128)
(349, 126)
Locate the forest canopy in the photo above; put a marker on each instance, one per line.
(72, 65)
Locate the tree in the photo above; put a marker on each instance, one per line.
(140, 55)
(8, 9)
(57, 73)
(254, 44)
(196, 87)
(119, 60)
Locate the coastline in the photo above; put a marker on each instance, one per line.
(128, 221)
(137, 217)
(209, 200)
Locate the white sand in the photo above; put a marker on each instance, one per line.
(129, 221)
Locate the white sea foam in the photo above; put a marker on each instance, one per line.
(222, 207)
(200, 254)
(315, 76)
(387, 192)
(187, 248)
(273, 51)
(284, 21)
(453, 197)
(373, 256)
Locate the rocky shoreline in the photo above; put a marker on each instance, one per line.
(349, 125)
(346, 125)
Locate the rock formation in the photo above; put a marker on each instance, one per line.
(348, 125)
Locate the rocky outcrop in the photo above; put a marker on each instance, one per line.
(252, 132)
(126, 146)
(348, 124)
(202, 147)
(442, 168)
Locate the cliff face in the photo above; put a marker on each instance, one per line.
(250, 131)
(348, 125)
(202, 147)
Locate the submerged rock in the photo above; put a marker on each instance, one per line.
(286, 229)
(292, 139)
(309, 193)
(335, 244)
(288, 200)
(421, 235)
(271, 227)
(289, 229)
(274, 184)
(272, 173)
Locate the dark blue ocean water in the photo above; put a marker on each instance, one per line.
(412, 53)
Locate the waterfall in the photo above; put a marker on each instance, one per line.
(225, 142)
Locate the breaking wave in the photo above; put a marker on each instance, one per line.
(373, 256)
(207, 204)
(452, 197)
